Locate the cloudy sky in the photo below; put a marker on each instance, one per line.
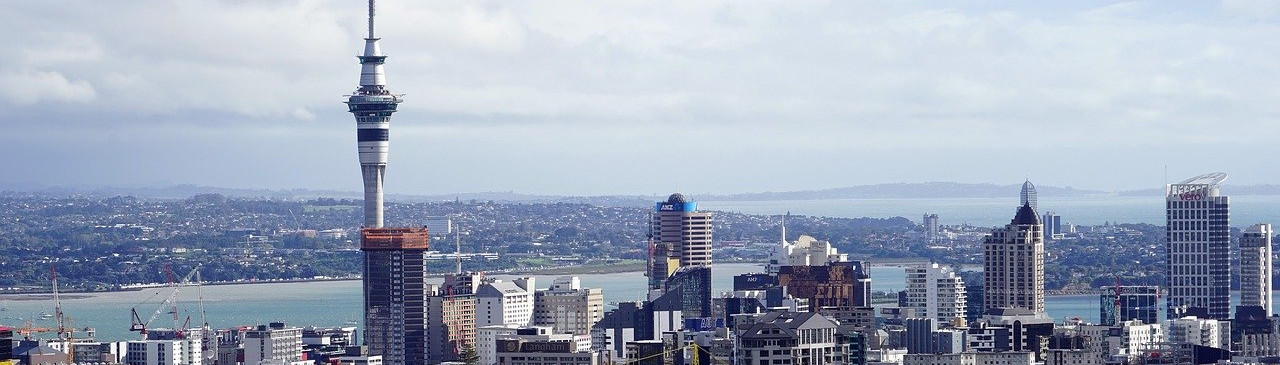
(647, 97)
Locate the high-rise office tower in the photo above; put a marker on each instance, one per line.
(1119, 304)
(372, 105)
(693, 286)
(681, 234)
(1197, 245)
(936, 292)
(1029, 196)
(1255, 267)
(1013, 262)
(394, 293)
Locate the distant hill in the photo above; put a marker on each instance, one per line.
(179, 191)
(910, 190)
(877, 191)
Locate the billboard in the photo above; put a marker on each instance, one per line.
(676, 207)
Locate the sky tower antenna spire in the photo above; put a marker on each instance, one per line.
(371, 20)
(372, 105)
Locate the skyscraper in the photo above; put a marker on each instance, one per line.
(394, 293)
(1119, 304)
(1198, 266)
(1013, 262)
(681, 234)
(372, 105)
(1029, 196)
(1255, 267)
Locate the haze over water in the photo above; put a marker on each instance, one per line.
(1245, 210)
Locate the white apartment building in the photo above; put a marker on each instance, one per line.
(501, 302)
(1199, 331)
(935, 292)
(360, 360)
(273, 343)
(970, 358)
(162, 352)
(487, 341)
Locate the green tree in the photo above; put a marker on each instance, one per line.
(469, 355)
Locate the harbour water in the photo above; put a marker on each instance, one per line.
(334, 303)
(1245, 210)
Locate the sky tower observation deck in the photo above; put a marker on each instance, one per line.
(372, 105)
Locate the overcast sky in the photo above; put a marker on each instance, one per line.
(642, 97)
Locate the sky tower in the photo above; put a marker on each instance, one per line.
(372, 105)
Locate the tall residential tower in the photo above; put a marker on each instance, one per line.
(1013, 263)
(1255, 267)
(372, 105)
(1197, 246)
(936, 292)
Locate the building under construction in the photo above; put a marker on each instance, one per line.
(395, 293)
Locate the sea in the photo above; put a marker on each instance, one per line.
(339, 303)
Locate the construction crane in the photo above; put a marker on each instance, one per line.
(71, 343)
(1119, 303)
(140, 326)
(57, 302)
(27, 329)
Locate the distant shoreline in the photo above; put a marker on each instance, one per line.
(562, 270)
(625, 268)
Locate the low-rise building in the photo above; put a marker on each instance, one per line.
(794, 338)
(568, 307)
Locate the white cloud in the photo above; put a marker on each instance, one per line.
(31, 87)
(1253, 9)
(852, 81)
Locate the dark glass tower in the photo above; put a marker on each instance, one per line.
(395, 293)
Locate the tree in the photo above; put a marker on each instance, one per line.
(469, 355)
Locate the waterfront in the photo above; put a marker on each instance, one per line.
(1245, 210)
(334, 303)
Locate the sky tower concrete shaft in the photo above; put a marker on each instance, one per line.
(372, 105)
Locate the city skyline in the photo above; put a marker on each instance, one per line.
(908, 90)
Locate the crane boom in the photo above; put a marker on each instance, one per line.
(141, 326)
